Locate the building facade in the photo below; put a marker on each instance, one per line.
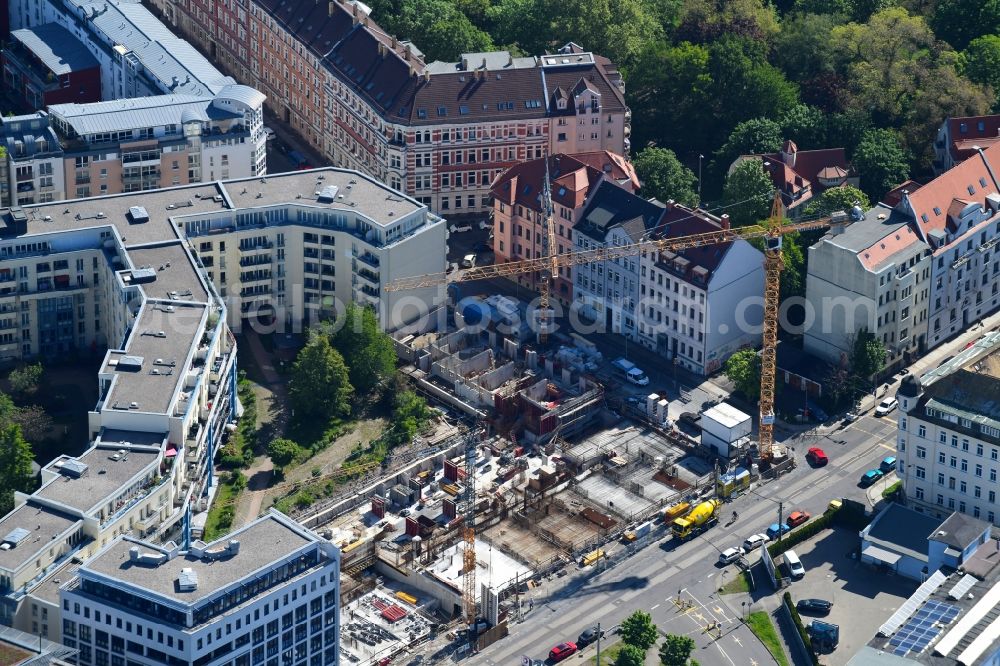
(31, 171)
(441, 132)
(268, 591)
(47, 64)
(949, 434)
(958, 139)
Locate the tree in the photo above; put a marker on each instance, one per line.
(25, 380)
(408, 417)
(283, 452)
(837, 198)
(867, 356)
(750, 137)
(320, 386)
(676, 650)
(748, 193)
(805, 125)
(793, 275)
(630, 655)
(440, 30)
(880, 162)
(981, 63)
(804, 51)
(664, 177)
(638, 630)
(34, 421)
(958, 22)
(15, 466)
(705, 21)
(372, 356)
(743, 370)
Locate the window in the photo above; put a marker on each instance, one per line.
(941, 457)
(921, 452)
(921, 430)
(979, 470)
(920, 473)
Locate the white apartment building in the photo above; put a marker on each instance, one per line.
(268, 593)
(949, 434)
(155, 278)
(146, 143)
(31, 171)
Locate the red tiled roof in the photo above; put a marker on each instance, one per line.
(887, 246)
(523, 183)
(991, 129)
(895, 195)
(682, 221)
(966, 148)
(613, 164)
(808, 165)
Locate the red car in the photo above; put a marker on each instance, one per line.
(561, 651)
(797, 518)
(816, 457)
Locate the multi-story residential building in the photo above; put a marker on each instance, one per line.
(441, 132)
(915, 274)
(519, 208)
(958, 139)
(31, 171)
(156, 278)
(801, 175)
(153, 142)
(270, 590)
(949, 434)
(47, 64)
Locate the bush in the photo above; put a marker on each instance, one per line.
(802, 533)
(315, 471)
(892, 490)
(797, 620)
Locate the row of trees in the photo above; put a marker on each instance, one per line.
(639, 634)
(15, 450)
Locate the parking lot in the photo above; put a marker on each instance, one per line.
(862, 597)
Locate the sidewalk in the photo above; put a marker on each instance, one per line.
(785, 628)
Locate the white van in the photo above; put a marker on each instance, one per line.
(468, 261)
(794, 564)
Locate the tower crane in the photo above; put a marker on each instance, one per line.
(469, 532)
(771, 231)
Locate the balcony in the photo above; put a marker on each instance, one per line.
(369, 278)
(367, 258)
(260, 246)
(365, 295)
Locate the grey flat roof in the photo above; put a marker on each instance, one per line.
(904, 529)
(56, 47)
(103, 478)
(262, 542)
(116, 438)
(176, 277)
(153, 391)
(959, 530)
(43, 524)
(864, 233)
(48, 589)
(137, 112)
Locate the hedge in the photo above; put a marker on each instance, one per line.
(797, 620)
(892, 490)
(845, 516)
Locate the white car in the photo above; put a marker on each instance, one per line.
(753, 542)
(269, 133)
(886, 406)
(730, 555)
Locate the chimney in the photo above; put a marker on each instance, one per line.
(355, 20)
(329, 8)
(670, 204)
(427, 75)
(394, 42)
(484, 63)
(366, 19)
(725, 221)
(510, 60)
(406, 52)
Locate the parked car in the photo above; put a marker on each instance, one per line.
(886, 406)
(690, 418)
(587, 636)
(561, 651)
(468, 261)
(815, 606)
(269, 133)
(775, 529)
(795, 567)
(730, 555)
(818, 412)
(816, 457)
(796, 518)
(887, 465)
(753, 542)
(852, 416)
(404, 513)
(870, 477)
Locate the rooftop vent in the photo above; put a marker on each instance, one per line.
(137, 214)
(143, 275)
(138, 557)
(14, 537)
(187, 581)
(130, 363)
(73, 468)
(328, 194)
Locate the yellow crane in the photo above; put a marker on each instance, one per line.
(771, 231)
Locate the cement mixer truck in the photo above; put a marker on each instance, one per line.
(701, 518)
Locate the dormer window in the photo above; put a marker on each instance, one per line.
(561, 105)
(595, 105)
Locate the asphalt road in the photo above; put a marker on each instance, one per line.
(650, 579)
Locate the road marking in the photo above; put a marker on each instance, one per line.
(738, 641)
(655, 607)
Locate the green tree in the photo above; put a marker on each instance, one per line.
(981, 63)
(805, 125)
(803, 49)
(35, 422)
(15, 466)
(706, 20)
(663, 176)
(676, 650)
(440, 30)
(880, 162)
(867, 357)
(793, 276)
(750, 137)
(283, 452)
(372, 356)
(958, 22)
(638, 630)
(743, 370)
(409, 415)
(26, 380)
(740, 71)
(630, 655)
(320, 386)
(837, 198)
(748, 193)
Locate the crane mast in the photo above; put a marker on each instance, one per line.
(773, 264)
(551, 254)
(469, 533)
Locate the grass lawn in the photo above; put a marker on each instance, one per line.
(220, 516)
(740, 583)
(10, 654)
(608, 654)
(762, 627)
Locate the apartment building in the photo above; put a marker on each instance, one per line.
(441, 132)
(958, 139)
(47, 64)
(31, 171)
(155, 278)
(268, 592)
(152, 142)
(914, 274)
(949, 434)
(519, 208)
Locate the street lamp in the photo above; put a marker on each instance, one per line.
(700, 158)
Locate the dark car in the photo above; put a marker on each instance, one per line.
(587, 637)
(815, 606)
(870, 477)
(690, 418)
